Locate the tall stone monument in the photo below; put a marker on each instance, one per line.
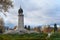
(20, 28)
(20, 19)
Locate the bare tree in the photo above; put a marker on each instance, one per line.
(5, 5)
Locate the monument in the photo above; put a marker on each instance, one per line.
(20, 19)
(20, 28)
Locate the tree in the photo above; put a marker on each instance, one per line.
(15, 27)
(28, 27)
(5, 5)
(25, 27)
(55, 27)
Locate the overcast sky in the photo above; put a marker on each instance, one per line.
(36, 12)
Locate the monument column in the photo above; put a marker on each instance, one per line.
(20, 19)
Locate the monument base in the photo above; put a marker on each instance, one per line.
(17, 31)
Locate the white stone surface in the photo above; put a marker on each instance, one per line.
(20, 22)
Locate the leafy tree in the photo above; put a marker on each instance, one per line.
(55, 27)
(28, 27)
(5, 5)
(25, 27)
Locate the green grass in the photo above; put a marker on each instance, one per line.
(55, 36)
(32, 36)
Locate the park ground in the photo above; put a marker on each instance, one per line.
(32, 36)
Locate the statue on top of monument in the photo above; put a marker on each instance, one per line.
(20, 10)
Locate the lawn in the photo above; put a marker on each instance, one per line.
(55, 36)
(32, 36)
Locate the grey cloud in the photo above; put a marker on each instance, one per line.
(37, 12)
